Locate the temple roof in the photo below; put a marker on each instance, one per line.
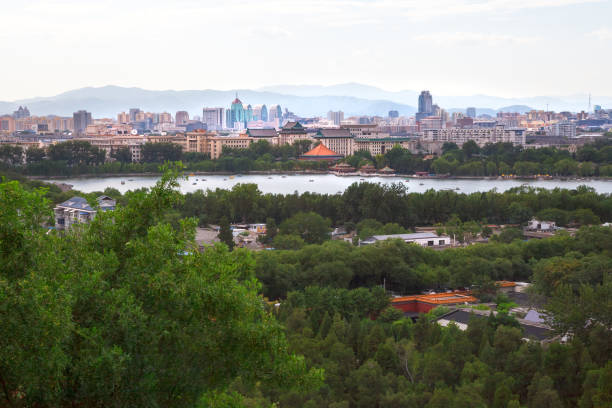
(333, 133)
(321, 150)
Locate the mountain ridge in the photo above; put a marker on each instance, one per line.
(305, 100)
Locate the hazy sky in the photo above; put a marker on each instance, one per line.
(452, 47)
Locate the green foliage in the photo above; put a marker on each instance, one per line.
(225, 234)
(126, 312)
(311, 227)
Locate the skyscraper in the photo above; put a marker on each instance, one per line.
(275, 112)
(133, 113)
(81, 119)
(335, 117)
(235, 116)
(213, 118)
(470, 112)
(181, 118)
(21, 113)
(425, 105)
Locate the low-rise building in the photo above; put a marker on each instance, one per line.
(78, 211)
(292, 132)
(339, 140)
(544, 226)
(425, 239)
(269, 135)
(416, 304)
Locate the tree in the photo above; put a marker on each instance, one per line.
(122, 155)
(225, 233)
(35, 154)
(470, 148)
(313, 228)
(161, 152)
(126, 312)
(11, 155)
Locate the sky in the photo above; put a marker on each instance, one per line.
(509, 48)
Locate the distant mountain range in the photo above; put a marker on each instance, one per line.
(304, 100)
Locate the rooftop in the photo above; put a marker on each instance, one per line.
(406, 237)
(262, 132)
(333, 133)
(78, 203)
(450, 298)
(321, 151)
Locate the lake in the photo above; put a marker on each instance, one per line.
(322, 183)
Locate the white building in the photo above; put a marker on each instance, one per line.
(563, 129)
(498, 134)
(213, 118)
(78, 211)
(537, 225)
(425, 239)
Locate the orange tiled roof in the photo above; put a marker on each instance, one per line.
(321, 150)
(439, 298)
(505, 284)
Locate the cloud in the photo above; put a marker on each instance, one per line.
(467, 38)
(603, 34)
(271, 32)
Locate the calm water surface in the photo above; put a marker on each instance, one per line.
(322, 183)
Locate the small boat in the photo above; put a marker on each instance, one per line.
(457, 188)
(122, 182)
(311, 180)
(231, 177)
(361, 179)
(269, 178)
(203, 179)
(197, 180)
(421, 184)
(191, 174)
(130, 179)
(224, 179)
(194, 184)
(284, 176)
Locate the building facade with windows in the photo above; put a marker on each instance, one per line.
(498, 134)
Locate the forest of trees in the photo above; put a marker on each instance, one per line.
(127, 311)
(79, 157)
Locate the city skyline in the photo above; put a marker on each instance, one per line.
(494, 47)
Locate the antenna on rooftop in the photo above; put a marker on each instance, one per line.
(589, 110)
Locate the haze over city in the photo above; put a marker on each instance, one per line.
(503, 48)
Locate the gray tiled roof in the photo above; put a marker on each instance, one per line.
(332, 133)
(78, 203)
(262, 132)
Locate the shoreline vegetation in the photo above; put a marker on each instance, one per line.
(78, 158)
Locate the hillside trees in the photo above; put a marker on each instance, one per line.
(126, 311)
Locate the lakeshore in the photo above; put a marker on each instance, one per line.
(322, 182)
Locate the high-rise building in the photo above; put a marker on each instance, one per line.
(260, 112)
(393, 114)
(22, 112)
(275, 112)
(563, 129)
(181, 118)
(335, 117)
(123, 118)
(165, 117)
(470, 112)
(81, 119)
(213, 118)
(425, 105)
(133, 113)
(235, 116)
